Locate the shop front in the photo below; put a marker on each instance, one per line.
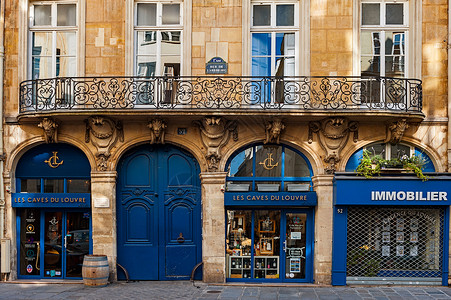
(269, 216)
(53, 216)
(391, 230)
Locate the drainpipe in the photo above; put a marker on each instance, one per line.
(448, 43)
(2, 157)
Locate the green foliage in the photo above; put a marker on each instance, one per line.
(371, 165)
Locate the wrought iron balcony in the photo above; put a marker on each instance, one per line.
(381, 94)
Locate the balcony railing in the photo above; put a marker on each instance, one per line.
(209, 93)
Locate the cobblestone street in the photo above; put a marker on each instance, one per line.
(186, 290)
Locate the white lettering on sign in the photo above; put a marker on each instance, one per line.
(408, 196)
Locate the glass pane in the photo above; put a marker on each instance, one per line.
(147, 42)
(394, 14)
(53, 185)
(170, 43)
(66, 43)
(30, 228)
(262, 15)
(285, 15)
(266, 244)
(370, 48)
(261, 44)
(261, 66)
(171, 14)
(146, 66)
(30, 185)
(67, 15)
(53, 244)
(398, 151)
(285, 44)
(239, 244)
(77, 242)
(66, 66)
(78, 186)
(268, 161)
(147, 14)
(371, 14)
(42, 15)
(42, 43)
(241, 164)
(295, 260)
(377, 149)
(42, 67)
(395, 53)
(295, 165)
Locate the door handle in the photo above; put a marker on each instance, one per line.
(285, 246)
(180, 239)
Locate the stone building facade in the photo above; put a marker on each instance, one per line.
(173, 104)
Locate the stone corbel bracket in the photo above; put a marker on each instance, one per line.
(50, 128)
(157, 131)
(215, 132)
(395, 131)
(333, 134)
(103, 133)
(273, 131)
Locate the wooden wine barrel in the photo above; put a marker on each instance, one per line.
(95, 270)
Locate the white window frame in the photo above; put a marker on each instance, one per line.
(413, 38)
(185, 27)
(159, 27)
(24, 48)
(301, 29)
(273, 30)
(53, 29)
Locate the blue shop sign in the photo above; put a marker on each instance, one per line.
(394, 191)
(51, 200)
(270, 199)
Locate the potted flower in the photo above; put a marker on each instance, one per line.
(371, 165)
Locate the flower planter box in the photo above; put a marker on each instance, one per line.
(298, 187)
(238, 187)
(268, 187)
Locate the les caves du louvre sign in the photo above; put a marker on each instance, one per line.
(52, 164)
(276, 199)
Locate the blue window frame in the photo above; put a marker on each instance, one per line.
(268, 168)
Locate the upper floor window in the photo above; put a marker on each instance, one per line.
(53, 39)
(384, 38)
(274, 36)
(158, 38)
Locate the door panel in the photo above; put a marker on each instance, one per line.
(76, 242)
(53, 245)
(158, 213)
(295, 244)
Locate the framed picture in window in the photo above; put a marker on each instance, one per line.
(266, 225)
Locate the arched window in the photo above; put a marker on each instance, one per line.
(268, 168)
(389, 151)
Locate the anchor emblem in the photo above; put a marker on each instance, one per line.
(53, 161)
(268, 162)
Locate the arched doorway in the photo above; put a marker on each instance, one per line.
(158, 213)
(53, 208)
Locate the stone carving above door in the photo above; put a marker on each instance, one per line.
(273, 131)
(215, 132)
(50, 128)
(333, 134)
(157, 131)
(395, 131)
(103, 133)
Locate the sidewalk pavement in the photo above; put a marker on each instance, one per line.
(186, 290)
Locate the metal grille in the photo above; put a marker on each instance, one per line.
(394, 242)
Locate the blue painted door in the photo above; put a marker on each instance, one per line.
(158, 213)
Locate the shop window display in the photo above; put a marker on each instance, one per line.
(253, 252)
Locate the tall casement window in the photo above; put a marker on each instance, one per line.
(53, 34)
(274, 36)
(158, 38)
(384, 38)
